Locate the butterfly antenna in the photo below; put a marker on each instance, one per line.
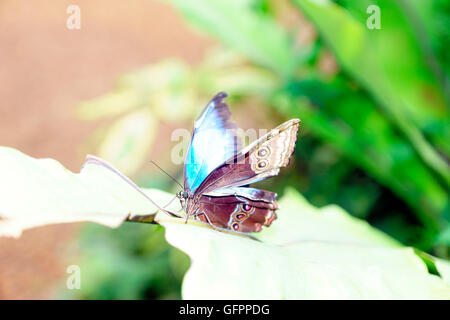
(175, 180)
(94, 160)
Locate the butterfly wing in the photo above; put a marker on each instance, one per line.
(247, 193)
(213, 142)
(258, 161)
(236, 212)
(218, 175)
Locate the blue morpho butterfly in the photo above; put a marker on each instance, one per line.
(217, 171)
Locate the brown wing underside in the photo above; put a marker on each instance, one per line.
(237, 213)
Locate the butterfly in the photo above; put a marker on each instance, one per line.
(218, 171)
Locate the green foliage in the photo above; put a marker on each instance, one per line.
(132, 262)
(397, 79)
(400, 80)
(240, 26)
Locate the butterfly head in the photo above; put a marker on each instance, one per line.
(183, 196)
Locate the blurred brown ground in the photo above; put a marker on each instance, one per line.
(46, 69)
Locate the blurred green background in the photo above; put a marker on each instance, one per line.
(374, 105)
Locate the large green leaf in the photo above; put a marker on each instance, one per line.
(300, 221)
(36, 192)
(307, 254)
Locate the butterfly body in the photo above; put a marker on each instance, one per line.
(217, 171)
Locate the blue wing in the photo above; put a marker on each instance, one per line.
(213, 142)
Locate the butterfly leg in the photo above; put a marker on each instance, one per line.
(209, 222)
(194, 214)
(188, 214)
